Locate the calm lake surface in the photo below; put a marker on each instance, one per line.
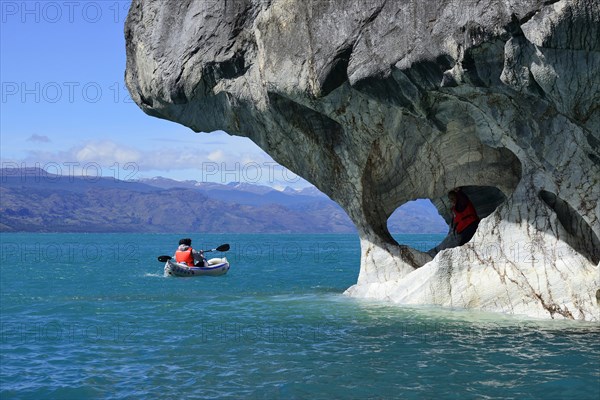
(91, 316)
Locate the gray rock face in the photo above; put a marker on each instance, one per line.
(380, 102)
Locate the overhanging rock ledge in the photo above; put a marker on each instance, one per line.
(381, 102)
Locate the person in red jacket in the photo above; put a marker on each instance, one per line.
(465, 219)
(186, 254)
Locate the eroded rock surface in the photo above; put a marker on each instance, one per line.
(380, 102)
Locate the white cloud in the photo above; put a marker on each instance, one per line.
(106, 152)
(191, 162)
(38, 138)
(216, 156)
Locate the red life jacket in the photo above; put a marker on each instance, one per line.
(185, 256)
(464, 218)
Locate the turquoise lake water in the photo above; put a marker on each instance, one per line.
(91, 316)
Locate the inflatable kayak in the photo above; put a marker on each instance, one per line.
(216, 267)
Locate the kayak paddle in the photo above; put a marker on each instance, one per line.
(223, 247)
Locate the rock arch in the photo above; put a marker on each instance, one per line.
(381, 103)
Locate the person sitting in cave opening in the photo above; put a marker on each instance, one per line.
(465, 221)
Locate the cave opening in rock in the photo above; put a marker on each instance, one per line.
(577, 232)
(417, 224)
(432, 218)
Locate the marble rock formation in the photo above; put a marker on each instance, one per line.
(380, 102)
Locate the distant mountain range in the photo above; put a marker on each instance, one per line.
(34, 200)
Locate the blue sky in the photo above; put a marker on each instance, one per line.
(64, 103)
